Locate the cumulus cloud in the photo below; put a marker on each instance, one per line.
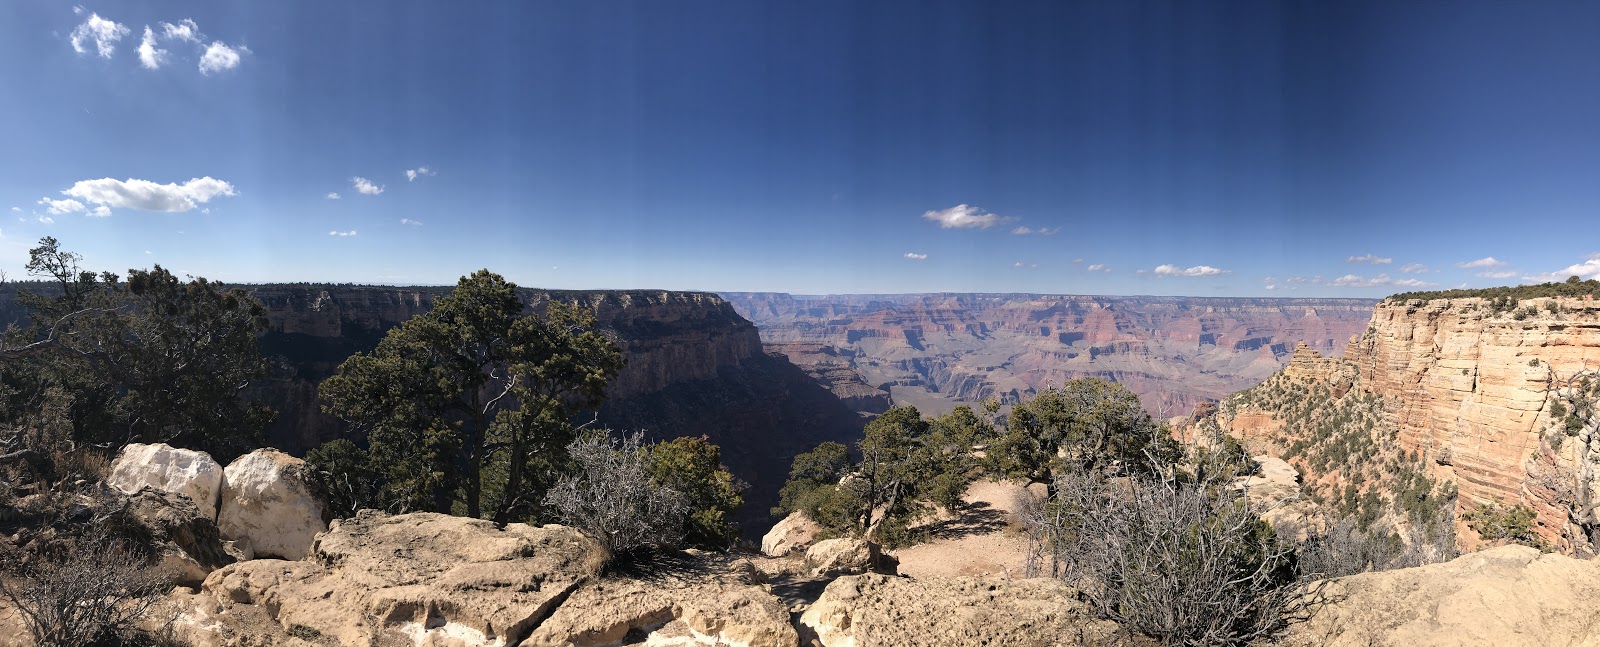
(413, 173)
(964, 216)
(1369, 258)
(365, 186)
(145, 195)
(101, 211)
(916, 257)
(102, 33)
(346, 234)
(58, 207)
(1587, 270)
(150, 56)
(1497, 275)
(1029, 231)
(1270, 286)
(1414, 268)
(333, 195)
(418, 223)
(1077, 260)
(1356, 281)
(44, 219)
(1024, 265)
(1488, 261)
(219, 57)
(1098, 267)
(186, 30)
(1198, 270)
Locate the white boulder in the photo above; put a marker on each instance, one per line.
(169, 469)
(795, 531)
(268, 507)
(844, 556)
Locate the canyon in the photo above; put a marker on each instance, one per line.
(1473, 394)
(936, 351)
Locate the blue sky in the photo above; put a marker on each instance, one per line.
(1228, 148)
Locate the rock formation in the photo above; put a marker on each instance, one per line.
(268, 507)
(1462, 391)
(794, 532)
(843, 556)
(935, 351)
(1504, 597)
(180, 471)
(887, 611)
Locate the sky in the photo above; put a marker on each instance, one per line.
(1232, 148)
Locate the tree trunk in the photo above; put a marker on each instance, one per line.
(475, 459)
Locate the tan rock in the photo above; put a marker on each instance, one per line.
(795, 531)
(166, 468)
(843, 556)
(882, 611)
(709, 612)
(1506, 596)
(411, 579)
(267, 505)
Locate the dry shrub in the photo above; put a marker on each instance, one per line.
(97, 592)
(613, 499)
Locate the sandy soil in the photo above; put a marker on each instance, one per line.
(986, 540)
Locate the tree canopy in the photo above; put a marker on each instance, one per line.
(154, 358)
(473, 402)
(1088, 422)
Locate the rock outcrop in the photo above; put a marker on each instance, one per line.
(898, 612)
(180, 471)
(1504, 597)
(794, 532)
(267, 507)
(939, 350)
(189, 545)
(843, 556)
(1458, 390)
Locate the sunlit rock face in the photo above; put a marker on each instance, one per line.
(939, 350)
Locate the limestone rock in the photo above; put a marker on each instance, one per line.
(843, 556)
(795, 531)
(267, 504)
(712, 612)
(1506, 596)
(189, 544)
(169, 469)
(881, 611)
(415, 579)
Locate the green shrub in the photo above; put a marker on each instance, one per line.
(1512, 523)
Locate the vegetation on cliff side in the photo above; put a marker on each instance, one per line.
(1573, 287)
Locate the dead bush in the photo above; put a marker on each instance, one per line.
(97, 592)
(613, 499)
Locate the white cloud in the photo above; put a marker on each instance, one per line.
(1497, 275)
(1414, 268)
(333, 195)
(418, 223)
(965, 217)
(16, 210)
(186, 30)
(1589, 269)
(414, 173)
(365, 186)
(104, 33)
(149, 196)
(1077, 260)
(58, 207)
(150, 56)
(1024, 265)
(44, 219)
(1369, 258)
(1488, 261)
(1097, 267)
(1355, 281)
(1271, 286)
(101, 211)
(1198, 270)
(1042, 231)
(219, 57)
(346, 234)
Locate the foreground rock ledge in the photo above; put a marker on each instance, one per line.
(884, 611)
(1506, 596)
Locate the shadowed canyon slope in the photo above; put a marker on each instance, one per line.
(938, 350)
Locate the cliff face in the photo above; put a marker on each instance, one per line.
(1475, 391)
(1482, 397)
(938, 350)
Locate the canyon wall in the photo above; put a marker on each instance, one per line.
(1486, 398)
(938, 350)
